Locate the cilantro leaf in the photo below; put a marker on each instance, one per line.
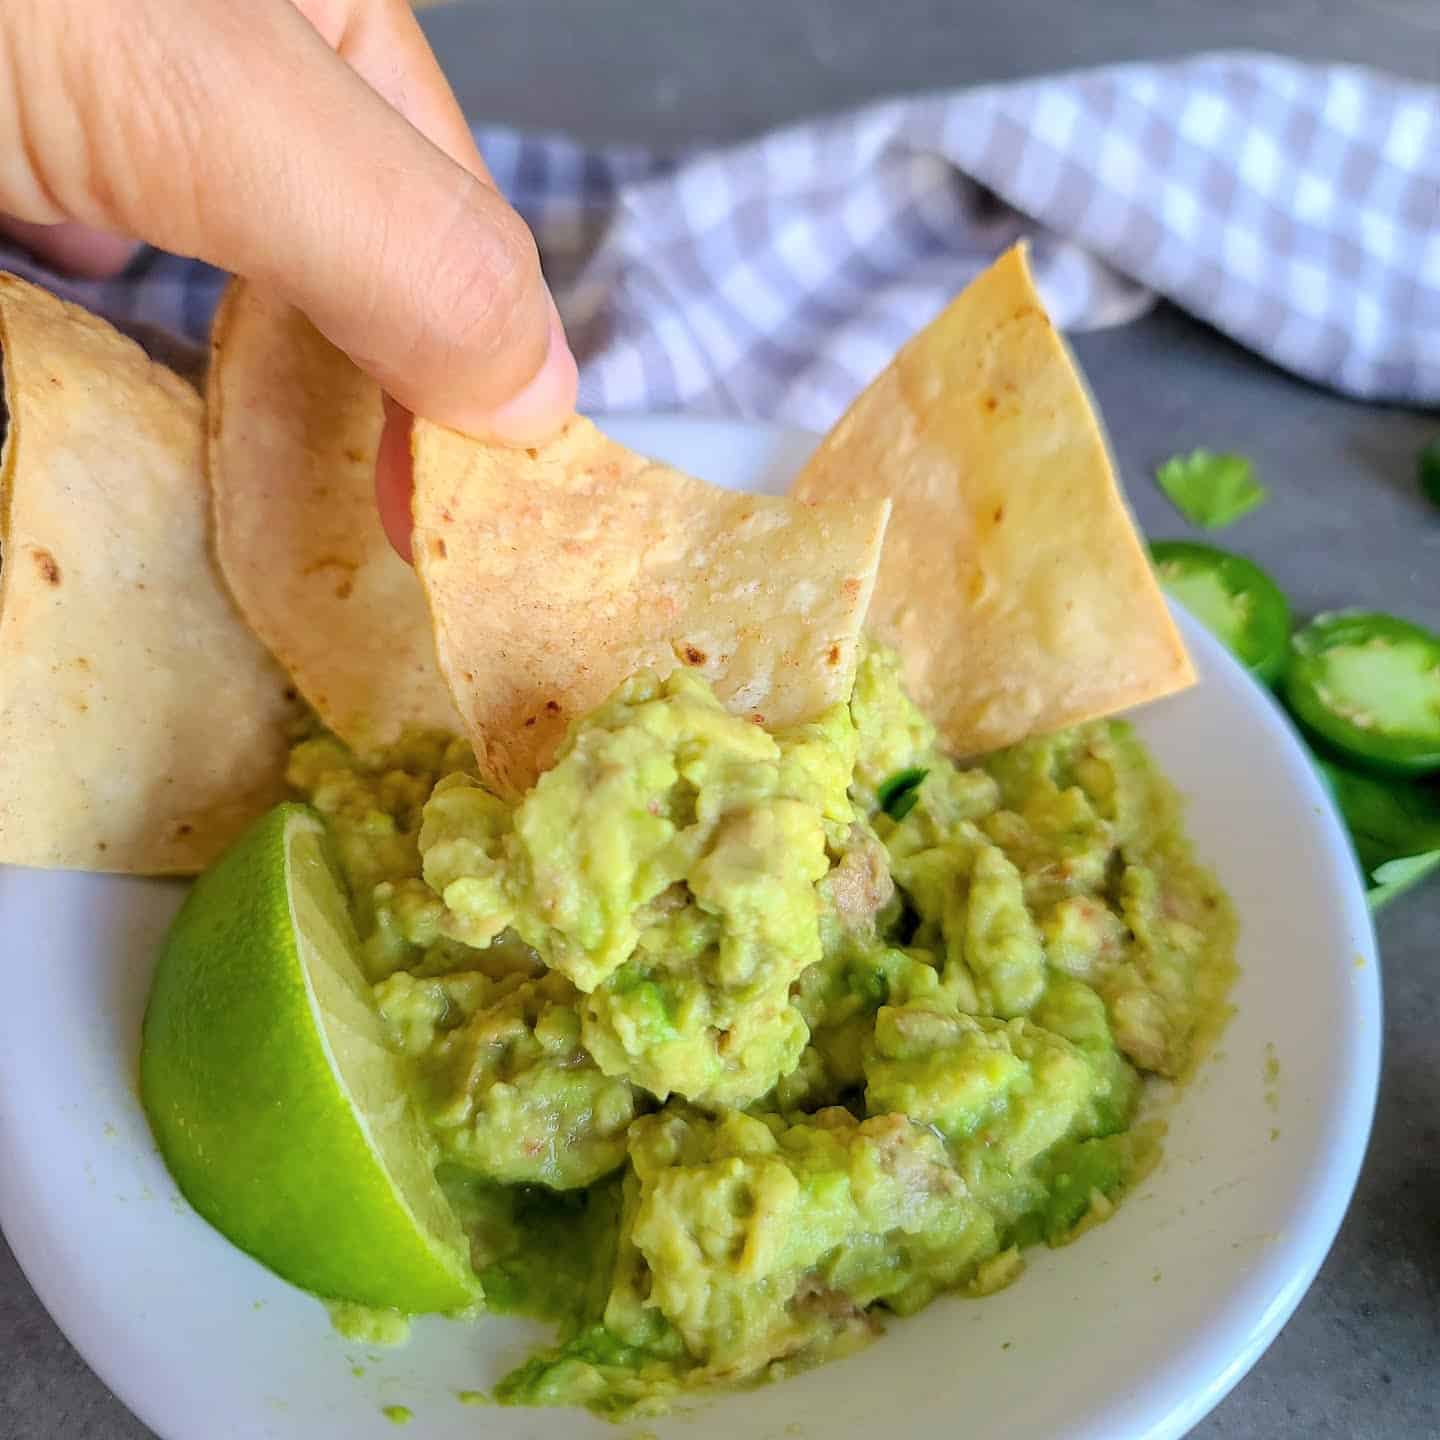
(1211, 490)
(897, 796)
(1395, 825)
(1394, 877)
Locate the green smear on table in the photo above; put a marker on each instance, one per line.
(1428, 468)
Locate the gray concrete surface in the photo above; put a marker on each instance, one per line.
(1346, 525)
(675, 71)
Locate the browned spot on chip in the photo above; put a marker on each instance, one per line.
(552, 707)
(999, 512)
(184, 828)
(832, 655)
(46, 564)
(694, 656)
(438, 548)
(355, 454)
(991, 403)
(329, 562)
(345, 588)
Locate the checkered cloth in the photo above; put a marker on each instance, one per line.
(1294, 207)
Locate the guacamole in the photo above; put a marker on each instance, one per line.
(732, 1041)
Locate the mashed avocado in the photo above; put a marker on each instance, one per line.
(668, 866)
(724, 1059)
(504, 1081)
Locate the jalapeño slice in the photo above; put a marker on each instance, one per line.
(1233, 598)
(1368, 684)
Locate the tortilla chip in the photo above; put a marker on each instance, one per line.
(555, 573)
(141, 724)
(294, 427)
(1014, 584)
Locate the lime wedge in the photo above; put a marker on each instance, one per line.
(282, 1115)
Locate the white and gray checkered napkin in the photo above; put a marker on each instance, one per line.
(1294, 207)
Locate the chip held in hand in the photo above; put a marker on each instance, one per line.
(555, 573)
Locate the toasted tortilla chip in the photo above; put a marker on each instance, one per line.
(142, 725)
(1013, 584)
(555, 573)
(294, 427)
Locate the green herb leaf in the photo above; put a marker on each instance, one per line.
(897, 796)
(1211, 490)
(1389, 820)
(1395, 826)
(1428, 468)
(1396, 876)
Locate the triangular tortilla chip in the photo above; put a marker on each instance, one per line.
(555, 573)
(1013, 584)
(294, 427)
(141, 724)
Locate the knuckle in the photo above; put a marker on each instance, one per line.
(480, 288)
(149, 161)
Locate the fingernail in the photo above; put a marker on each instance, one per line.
(547, 402)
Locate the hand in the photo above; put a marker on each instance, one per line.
(314, 147)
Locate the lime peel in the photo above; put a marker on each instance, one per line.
(284, 1118)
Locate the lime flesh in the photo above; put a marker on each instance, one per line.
(282, 1115)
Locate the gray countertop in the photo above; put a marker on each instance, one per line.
(1346, 525)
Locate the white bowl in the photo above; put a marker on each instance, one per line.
(1136, 1330)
